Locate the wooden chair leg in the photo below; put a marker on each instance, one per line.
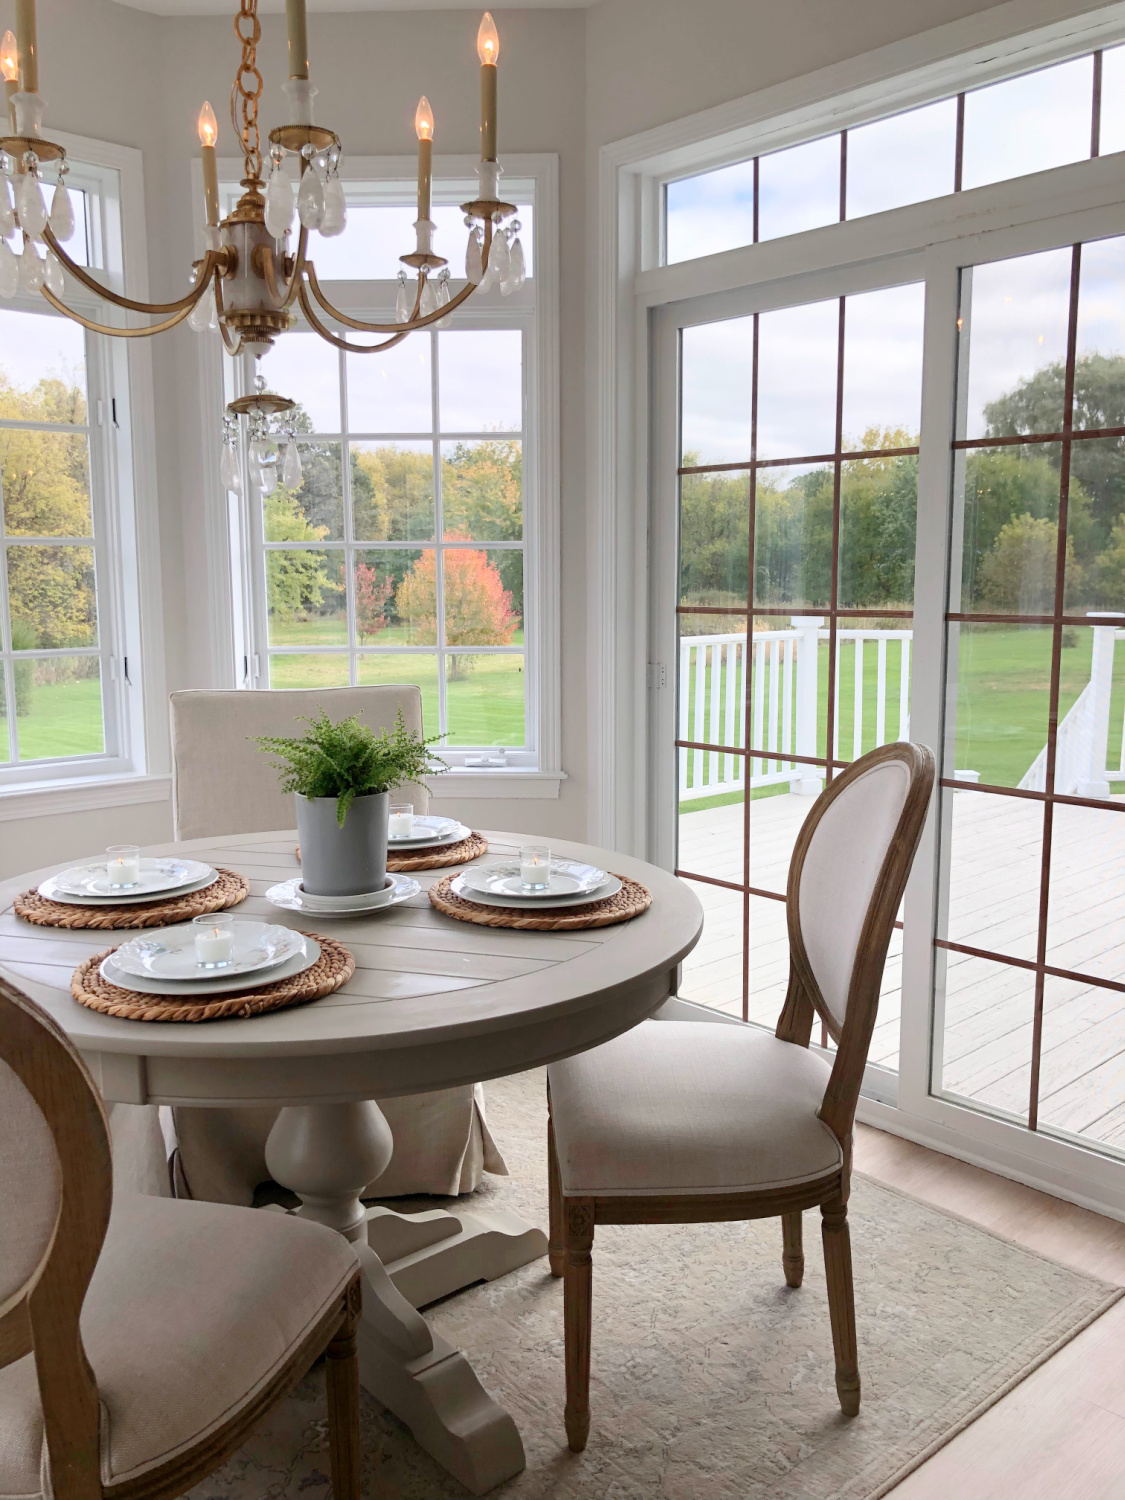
(578, 1241)
(554, 1199)
(841, 1302)
(343, 1401)
(792, 1252)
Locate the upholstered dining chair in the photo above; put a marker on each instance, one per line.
(689, 1122)
(223, 785)
(141, 1340)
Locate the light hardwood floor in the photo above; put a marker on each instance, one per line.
(1060, 1435)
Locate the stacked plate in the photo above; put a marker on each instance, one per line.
(163, 962)
(160, 880)
(429, 833)
(291, 895)
(498, 883)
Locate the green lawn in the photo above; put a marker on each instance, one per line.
(1002, 701)
(65, 719)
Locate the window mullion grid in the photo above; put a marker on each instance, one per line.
(1053, 709)
(6, 659)
(1096, 108)
(439, 535)
(748, 649)
(349, 518)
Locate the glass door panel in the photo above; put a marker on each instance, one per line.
(1031, 931)
(798, 498)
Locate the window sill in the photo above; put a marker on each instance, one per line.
(497, 782)
(81, 794)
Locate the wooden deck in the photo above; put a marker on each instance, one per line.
(995, 857)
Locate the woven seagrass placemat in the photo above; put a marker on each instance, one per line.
(632, 899)
(228, 890)
(435, 859)
(333, 968)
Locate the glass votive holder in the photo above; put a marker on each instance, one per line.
(123, 865)
(535, 867)
(214, 939)
(400, 821)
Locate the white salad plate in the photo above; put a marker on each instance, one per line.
(169, 952)
(290, 897)
(430, 831)
(502, 878)
(158, 877)
(50, 889)
(609, 887)
(219, 982)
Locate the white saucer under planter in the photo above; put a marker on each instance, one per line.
(290, 896)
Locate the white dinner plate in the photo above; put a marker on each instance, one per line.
(501, 877)
(289, 897)
(429, 832)
(609, 887)
(158, 877)
(221, 984)
(169, 952)
(52, 893)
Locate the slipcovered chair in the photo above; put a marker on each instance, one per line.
(142, 1340)
(700, 1122)
(222, 784)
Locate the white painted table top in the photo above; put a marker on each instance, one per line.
(433, 1001)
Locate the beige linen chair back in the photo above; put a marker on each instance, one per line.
(221, 781)
(56, 1180)
(849, 869)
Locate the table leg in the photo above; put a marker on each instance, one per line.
(327, 1154)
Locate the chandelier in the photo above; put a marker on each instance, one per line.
(249, 280)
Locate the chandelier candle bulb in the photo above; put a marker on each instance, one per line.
(28, 45)
(424, 130)
(208, 134)
(488, 50)
(297, 29)
(10, 68)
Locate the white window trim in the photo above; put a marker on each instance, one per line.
(233, 588)
(129, 546)
(1079, 201)
(628, 280)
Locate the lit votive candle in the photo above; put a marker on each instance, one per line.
(214, 940)
(535, 867)
(123, 864)
(400, 822)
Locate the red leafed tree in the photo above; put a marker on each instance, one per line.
(478, 608)
(371, 597)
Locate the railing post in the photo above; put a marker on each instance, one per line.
(1095, 759)
(806, 781)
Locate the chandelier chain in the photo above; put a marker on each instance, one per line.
(248, 87)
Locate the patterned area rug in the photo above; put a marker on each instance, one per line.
(710, 1377)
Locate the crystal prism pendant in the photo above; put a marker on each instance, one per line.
(268, 477)
(474, 268)
(310, 200)
(229, 471)
(292, 474)
(200, 315)
(335, 208)
(518, 274)
(56, 281)
(32, 271)
(9, 272)
(30, 205)
(443, 301)
(62, 213)
(280, 204)
(402, 302)
(429, 303)
(499, 257)
(7, 217)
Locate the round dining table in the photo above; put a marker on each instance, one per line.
(434, 1002)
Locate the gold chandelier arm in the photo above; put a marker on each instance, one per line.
(318, 326)
(207, 266)
(116, 333)
(232, 346)
(283, 299)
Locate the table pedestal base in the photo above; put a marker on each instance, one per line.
(327, 1154)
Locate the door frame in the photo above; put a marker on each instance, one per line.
(1058, 208)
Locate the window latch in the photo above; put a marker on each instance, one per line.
(113, 412)
(125, 662)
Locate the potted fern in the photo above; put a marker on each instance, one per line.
(341, 776)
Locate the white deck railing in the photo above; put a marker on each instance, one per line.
(1082, 744)
(784, 703)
